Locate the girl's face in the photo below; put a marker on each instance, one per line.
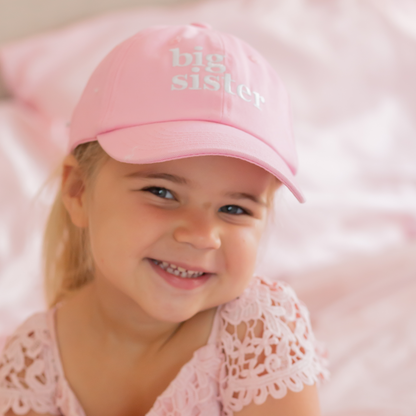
(203, 214)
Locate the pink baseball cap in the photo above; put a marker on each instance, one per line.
(172, 92)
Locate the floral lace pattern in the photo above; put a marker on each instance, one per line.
(28, 377)
(268, 346)
(261, 345)
(195, 389)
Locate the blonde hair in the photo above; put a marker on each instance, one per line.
(66, 253)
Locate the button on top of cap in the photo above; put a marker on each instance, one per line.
(201, 24)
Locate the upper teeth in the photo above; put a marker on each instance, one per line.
(176, 270)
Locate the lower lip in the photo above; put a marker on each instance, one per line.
(180, 282)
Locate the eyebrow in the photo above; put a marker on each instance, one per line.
(183, 181)
(156, 175)
(244, 195)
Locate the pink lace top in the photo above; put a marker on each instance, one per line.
(232, 370)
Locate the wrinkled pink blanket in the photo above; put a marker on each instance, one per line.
(349, 252)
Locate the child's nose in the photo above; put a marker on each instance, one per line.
(199, 230)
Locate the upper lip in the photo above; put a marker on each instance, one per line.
(185, 266)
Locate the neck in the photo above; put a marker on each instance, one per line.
(119, 321)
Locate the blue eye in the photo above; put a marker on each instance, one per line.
(233, 209)
(161, 192)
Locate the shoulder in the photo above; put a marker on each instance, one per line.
(35, 325)
(30, 340)
(268, 307)
(264, 296)
(268, 344)
(27, 368)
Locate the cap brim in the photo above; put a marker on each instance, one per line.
(160, 142)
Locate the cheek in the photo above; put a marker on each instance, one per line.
(109, 240)
(116, 235)
(123, 231)
(242, 251)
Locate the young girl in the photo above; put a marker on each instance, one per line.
(177, 146)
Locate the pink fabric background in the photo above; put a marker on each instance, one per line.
(349, 252)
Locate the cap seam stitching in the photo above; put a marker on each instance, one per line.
(118, 68)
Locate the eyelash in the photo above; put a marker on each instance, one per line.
(244, 212)
(151, 188)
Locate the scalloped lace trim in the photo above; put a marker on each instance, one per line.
(268, 345)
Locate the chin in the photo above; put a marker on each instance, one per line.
(171, 313)
(175, 317)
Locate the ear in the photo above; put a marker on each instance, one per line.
(73, 192)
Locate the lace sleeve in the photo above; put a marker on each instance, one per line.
(27, 374)
(269, 347)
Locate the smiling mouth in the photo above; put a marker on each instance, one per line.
(178, 271)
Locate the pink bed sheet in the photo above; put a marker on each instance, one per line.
(350, 251)
(364, 308)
